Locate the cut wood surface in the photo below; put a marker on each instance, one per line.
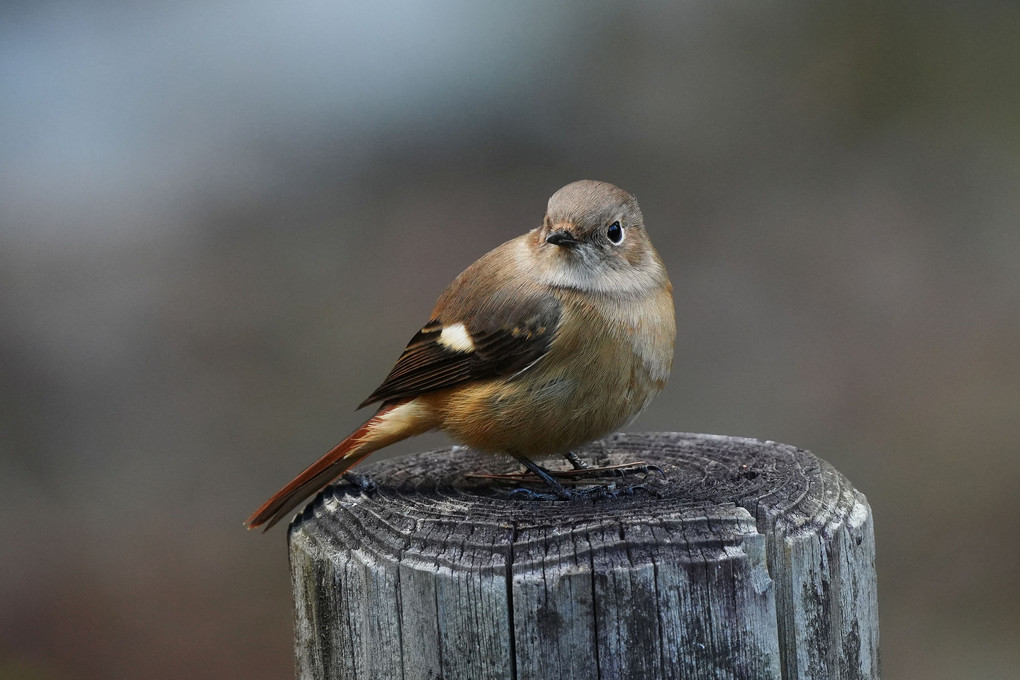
(749, 559)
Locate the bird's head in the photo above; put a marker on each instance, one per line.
(593, 238)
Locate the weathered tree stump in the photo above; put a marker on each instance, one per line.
(751, 559)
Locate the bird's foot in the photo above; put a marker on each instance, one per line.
(585, 470)
(578, 476)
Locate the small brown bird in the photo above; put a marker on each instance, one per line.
(553, 339)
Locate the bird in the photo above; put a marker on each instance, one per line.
(554, 339)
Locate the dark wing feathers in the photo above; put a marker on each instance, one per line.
(508, 335)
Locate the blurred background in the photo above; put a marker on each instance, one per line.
(221, 221)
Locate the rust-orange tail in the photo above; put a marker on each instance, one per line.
(390, 424)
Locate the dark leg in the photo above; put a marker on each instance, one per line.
(580, 469)
(575, 461)
(613, 470)
(544, 475)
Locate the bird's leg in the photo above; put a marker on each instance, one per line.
(580, 470)
(542, 474)
(580, 467)
(576, 462)
(583, 469)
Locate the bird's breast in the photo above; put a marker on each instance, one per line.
(605, 365)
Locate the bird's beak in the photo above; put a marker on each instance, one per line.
(561, 237)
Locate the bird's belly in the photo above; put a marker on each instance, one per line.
(545, 412)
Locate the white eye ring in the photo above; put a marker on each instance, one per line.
(615, 233)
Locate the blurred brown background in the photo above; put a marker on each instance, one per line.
(220, 222)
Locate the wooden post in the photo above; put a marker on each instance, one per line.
(751, 559)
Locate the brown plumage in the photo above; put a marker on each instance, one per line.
(551, 340)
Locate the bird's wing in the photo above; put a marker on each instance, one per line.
(469, 340)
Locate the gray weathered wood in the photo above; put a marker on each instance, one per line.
(751, 559)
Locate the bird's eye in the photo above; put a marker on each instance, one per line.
(615, 232)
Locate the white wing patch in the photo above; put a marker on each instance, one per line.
(457, 338)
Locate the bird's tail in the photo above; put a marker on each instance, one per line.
(389, 425)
